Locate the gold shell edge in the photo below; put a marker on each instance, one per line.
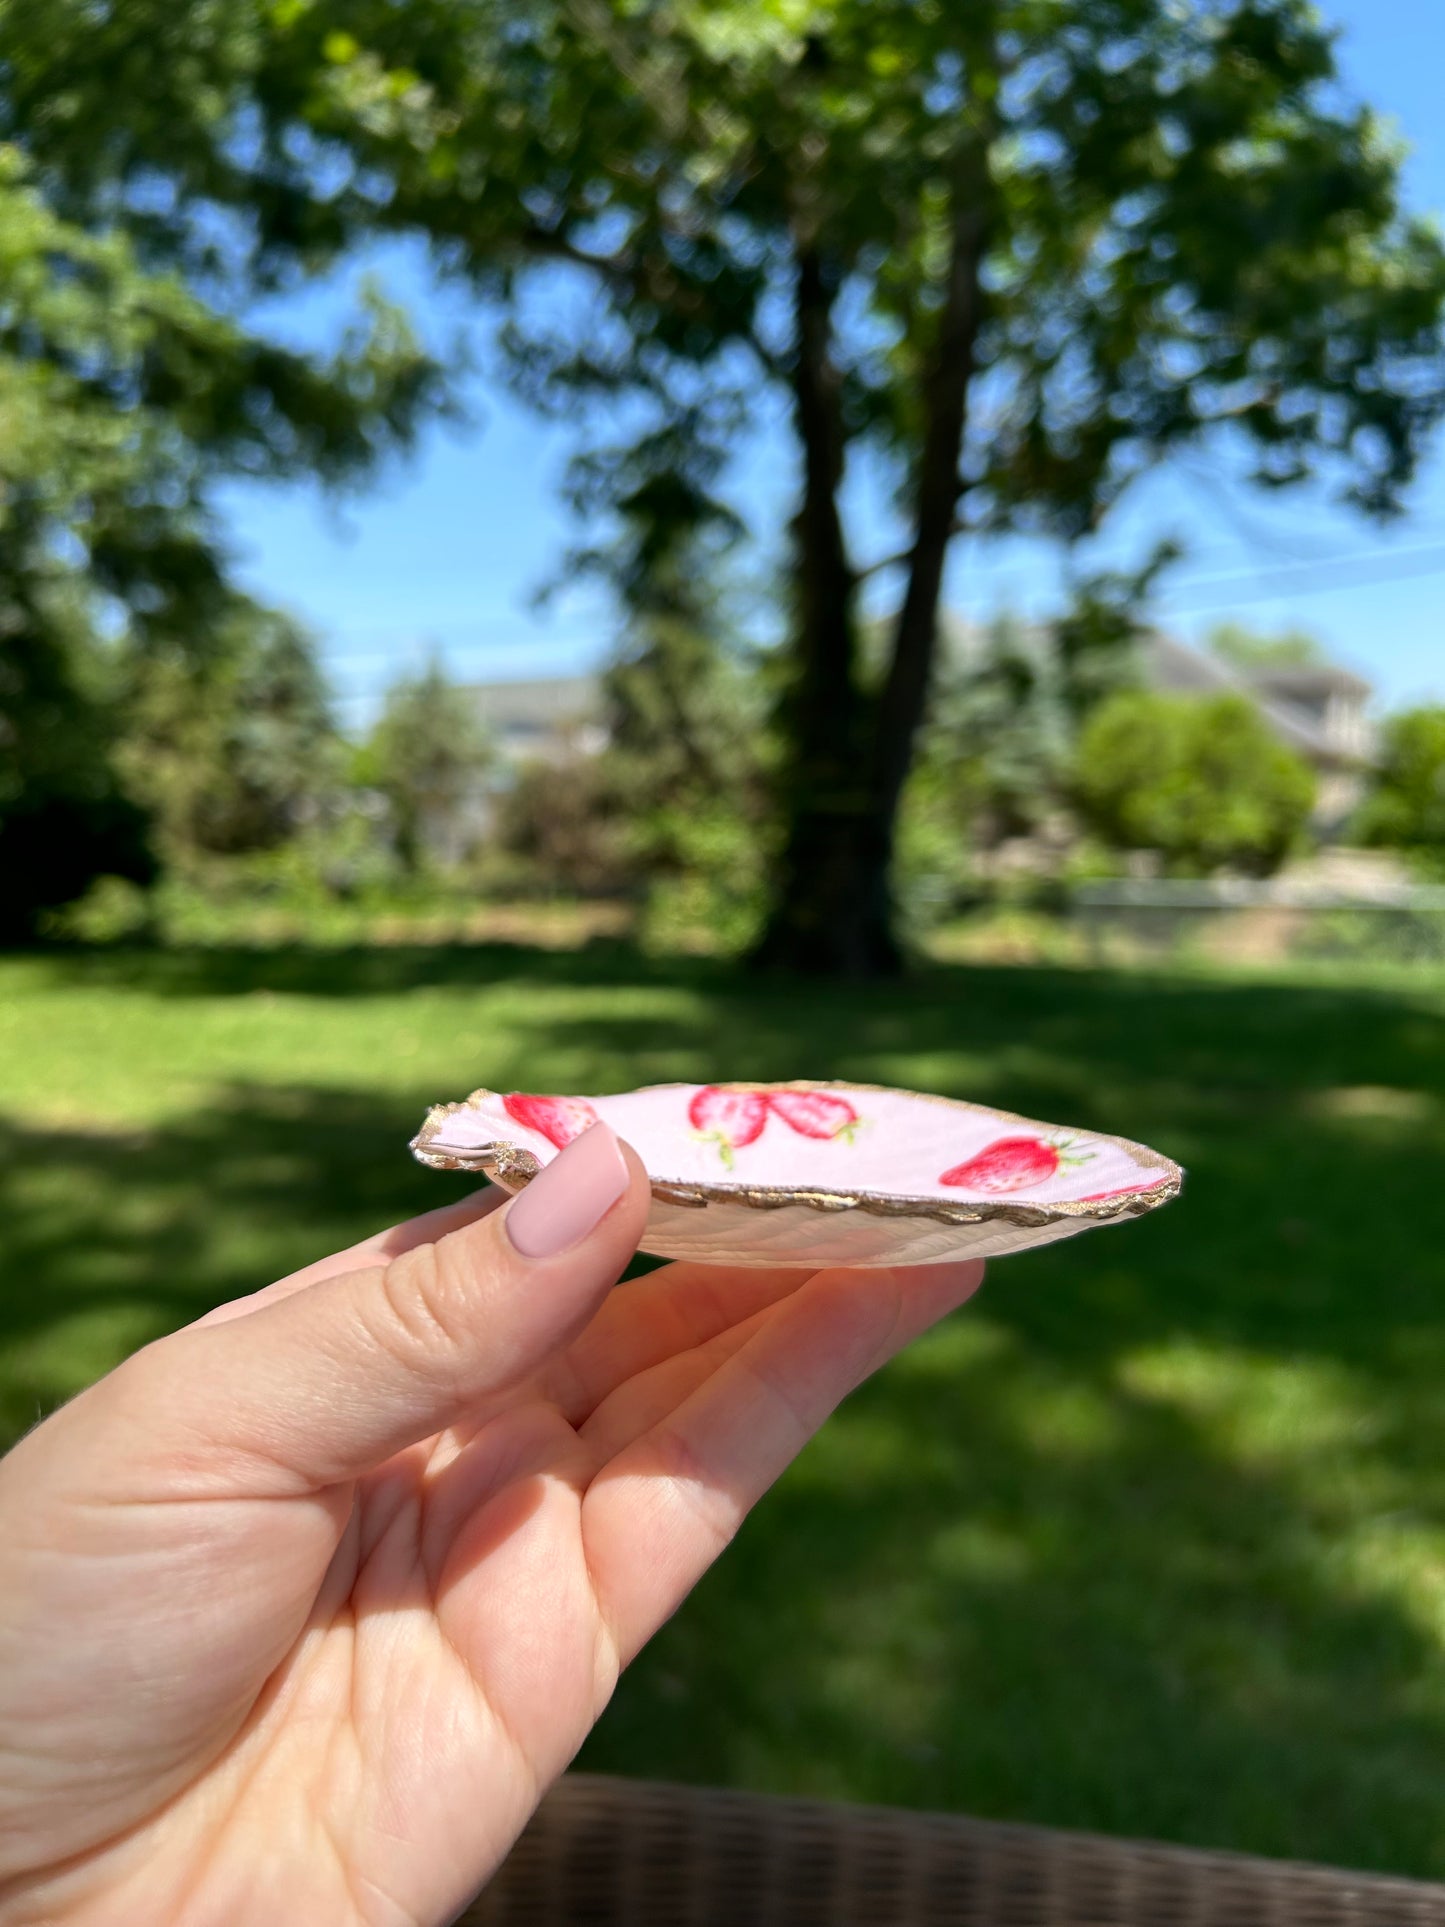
(513, 1167)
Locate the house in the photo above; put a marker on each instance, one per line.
(1320, 710)
(542, 719)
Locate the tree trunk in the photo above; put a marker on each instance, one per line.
(851, 757)
(818, 923)
(904, 699)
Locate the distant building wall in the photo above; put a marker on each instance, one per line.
(533, 720)
(541, 719)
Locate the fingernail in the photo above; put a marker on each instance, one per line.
(568, 1196)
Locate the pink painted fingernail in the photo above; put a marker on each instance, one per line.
(568, 1196)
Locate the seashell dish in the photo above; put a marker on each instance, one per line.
(820, 1174)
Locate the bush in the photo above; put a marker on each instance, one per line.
(1204, 783)
(704, 875)
(1406, 808)
(558, 831)
(935, 870)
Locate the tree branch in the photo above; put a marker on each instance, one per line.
(895, 561)
(635, 278)
(773, 366)
(548, 241)
(668, 101)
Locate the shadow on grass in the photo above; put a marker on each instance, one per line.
(345, 970)
(1151, 1539)
(113, 1238)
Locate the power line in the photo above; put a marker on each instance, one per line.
(1303, 577)
(1323, 577)
(442, 640)
(1307, 578)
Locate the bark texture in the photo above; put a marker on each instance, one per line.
(834, 914)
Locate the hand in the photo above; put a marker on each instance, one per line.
(303, 1607)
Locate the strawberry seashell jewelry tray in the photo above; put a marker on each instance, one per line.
(820, 1174)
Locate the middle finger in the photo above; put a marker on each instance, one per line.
(661, 1316)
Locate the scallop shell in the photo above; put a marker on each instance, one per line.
(821, 1173)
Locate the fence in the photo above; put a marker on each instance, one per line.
(1262, 921)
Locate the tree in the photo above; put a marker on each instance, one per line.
(234, 752)
(998, 742)
(428, 754)
(671, 801)
(1005, 720)
(1015, 251)
(124, 398)
(1203, 782)
(1405, 809)
(65, 817)
(685, 696)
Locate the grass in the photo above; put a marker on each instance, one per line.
(1151, 1539)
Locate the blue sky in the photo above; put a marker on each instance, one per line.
(444, 554)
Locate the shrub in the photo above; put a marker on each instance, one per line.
(1406, 808)
(1204, 783)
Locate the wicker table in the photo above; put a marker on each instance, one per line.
(630, 1853)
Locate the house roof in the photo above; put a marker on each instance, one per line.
(1292, 700)
(1311, 680)
(1282, 696)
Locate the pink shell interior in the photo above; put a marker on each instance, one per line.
(900, 1145)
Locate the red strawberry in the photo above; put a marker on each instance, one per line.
(1011, 1163)
(728, 1119)
(815, 1113)
(558, 1119)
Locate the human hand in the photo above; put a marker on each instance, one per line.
(303, 1607)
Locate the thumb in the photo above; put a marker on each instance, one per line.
(319, 1387)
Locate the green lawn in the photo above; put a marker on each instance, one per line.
(1151, 1539)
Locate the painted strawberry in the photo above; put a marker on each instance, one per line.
(1012, 1163)
(558, 1119)
(728, 1119)
(820, 1114)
